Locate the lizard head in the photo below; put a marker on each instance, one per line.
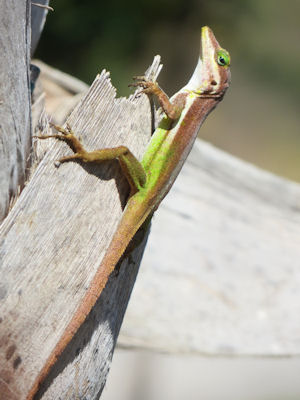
(212, 74)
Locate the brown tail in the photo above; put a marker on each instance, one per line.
(131, 221)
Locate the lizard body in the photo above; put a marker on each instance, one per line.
(152, 178)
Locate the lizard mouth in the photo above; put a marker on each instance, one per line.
(208, 45)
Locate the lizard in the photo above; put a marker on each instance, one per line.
(151, 179)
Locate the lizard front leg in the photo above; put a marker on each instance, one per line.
(173, 111)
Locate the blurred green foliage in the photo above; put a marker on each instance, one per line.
(82, 37)
(259, 117)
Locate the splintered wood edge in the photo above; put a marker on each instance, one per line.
(36, 265)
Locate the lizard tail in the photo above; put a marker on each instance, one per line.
(132, 219)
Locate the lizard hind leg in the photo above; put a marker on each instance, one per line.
(130, 165)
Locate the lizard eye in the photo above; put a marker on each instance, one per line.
(223, 58)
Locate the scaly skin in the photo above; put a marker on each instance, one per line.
(152, 178)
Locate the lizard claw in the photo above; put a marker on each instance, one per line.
(66, 131)
(64, 134)
(148, 86)
(139, 77)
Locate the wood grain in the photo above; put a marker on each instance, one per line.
(15, 127)
(52, 242)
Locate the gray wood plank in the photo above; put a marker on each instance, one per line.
(15, 116)
(52, 243)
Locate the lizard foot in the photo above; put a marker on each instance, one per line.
(67, 135)
(148, 87)
(151, 88)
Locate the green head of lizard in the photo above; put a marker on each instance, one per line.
(212, 74)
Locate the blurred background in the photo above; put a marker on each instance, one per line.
(257, 121)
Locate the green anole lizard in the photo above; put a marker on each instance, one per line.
(151, 179)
